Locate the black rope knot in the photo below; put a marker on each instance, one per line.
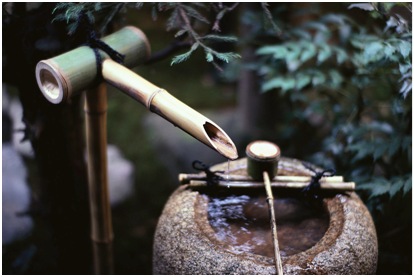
(212, 177)
(313, 188)
(95, 43)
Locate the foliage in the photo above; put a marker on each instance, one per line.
(358, 80)
(183, 17)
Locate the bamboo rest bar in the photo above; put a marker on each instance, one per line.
(350, 186)
(186, 178)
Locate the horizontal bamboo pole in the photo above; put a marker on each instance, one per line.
(72, 72)
(350, 186)
(186, 178)
(278, 260)
(170, 108)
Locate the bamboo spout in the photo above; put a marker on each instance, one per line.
(170, 108)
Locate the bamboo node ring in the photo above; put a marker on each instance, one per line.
(148, 104)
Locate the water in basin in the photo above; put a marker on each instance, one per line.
(242, 223)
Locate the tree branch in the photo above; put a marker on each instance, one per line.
(167, 51)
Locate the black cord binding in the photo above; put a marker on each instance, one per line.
(212, 178)
(95, 43)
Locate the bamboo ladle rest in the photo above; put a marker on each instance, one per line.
(69, 74)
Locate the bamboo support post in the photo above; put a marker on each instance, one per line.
(278, 261)
(96, 138)
(340, 186)
(186, 178)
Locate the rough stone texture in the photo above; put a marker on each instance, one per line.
(185, 243)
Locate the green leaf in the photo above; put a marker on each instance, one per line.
(389, 50)
(301, 33)
(308, 53)
(336, 78)
(185, 56)
(272, 84)
(381, 127)
(356, 42)
(278, 51)
(333, 18)
(302, 81)
(380, 149)
(363, 6)
(407, 141)
(396, 186)
(394, 145)
(209, 57)
(406, 88)
(316, 25)
(405, 48)
(221, 38)
(194, 13)
(404, 67)
(378, 186)
(363, 150)
(341, 55)
(323, 55)
(392, 22)
(226, 56)
(372, 49)
(318, 78)
(407, 185)
(279, 82)
(180, 32)
(154, 13)
(288, 84)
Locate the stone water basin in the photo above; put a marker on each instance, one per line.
(227, 231)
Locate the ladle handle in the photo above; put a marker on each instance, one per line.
(269, 194)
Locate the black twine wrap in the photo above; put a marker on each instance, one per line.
(95, 43)
(314, 186)
(212, 178)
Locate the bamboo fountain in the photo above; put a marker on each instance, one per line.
(69, 74)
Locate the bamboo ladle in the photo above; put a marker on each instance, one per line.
(71, 73)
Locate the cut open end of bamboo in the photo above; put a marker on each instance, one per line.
(51, 82)
(220, 141)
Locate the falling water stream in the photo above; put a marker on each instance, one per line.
(242, 223)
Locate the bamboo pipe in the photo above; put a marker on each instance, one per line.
(101, 223)
(349, 186)
(71, 73)
(186, 178)
(170, 108)
(269, 194)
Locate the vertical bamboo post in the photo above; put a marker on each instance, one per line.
(269, 193)
(102, 235)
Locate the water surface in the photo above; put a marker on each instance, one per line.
(242, 223)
